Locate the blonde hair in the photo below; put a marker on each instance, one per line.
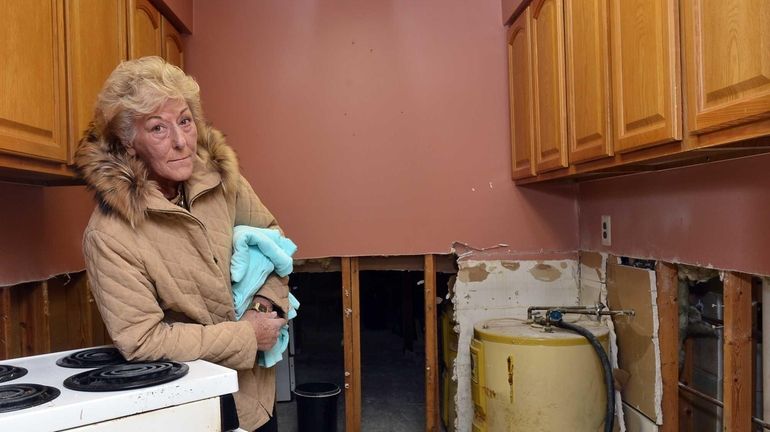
(137, 88)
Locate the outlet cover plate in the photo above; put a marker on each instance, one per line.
(606, 231)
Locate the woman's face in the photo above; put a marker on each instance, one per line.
(166, 141)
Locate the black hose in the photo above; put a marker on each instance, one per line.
(609, 418)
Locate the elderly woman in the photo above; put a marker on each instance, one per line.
(159, 243)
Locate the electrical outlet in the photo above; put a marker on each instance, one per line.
(606, 230)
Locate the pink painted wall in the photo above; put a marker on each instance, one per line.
(41, 231)
(710, 215)
(376, 127)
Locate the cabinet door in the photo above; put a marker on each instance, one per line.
(32, 79)
(727, 62)
(144, 37)
(520, 93)
(96, 39)
(172, 44)
(645, 73)
(588, 79)
(549, 85)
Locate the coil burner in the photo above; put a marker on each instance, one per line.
(15, 397)
(8, 372)
(91, 358)
(126, 376)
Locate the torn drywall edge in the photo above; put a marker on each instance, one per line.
(656, 348)
(592, 277)
(504, 252)
(487, 297)
(677, 260)
(638, 422)
(619, 414)
(512, 284)
(629, 288)
(593, 265)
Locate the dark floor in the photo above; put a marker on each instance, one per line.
(393, 389)
(392, 351)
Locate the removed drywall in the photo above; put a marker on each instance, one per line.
(638, 346)
(487, 289)
(592, 291)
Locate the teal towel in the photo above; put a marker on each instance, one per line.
(257, 252)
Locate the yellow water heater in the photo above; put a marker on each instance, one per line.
(526, 379)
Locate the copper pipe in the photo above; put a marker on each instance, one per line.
(717, 402)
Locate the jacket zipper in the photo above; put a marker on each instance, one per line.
(189, 214)
(200, 224)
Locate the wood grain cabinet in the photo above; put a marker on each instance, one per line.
(549, 85)
(589, 133)
(727, 69)
(151, 34)
(56, 55)
(645, 73)
(96, 36)
(144, 30)
(520, 96)
(32, 101)
(606, 86)
(172, 44)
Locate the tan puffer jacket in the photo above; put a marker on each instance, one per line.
(161, 275)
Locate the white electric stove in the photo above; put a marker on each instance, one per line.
(189, 400)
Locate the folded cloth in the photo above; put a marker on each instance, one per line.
(275, 354)
(257, 252)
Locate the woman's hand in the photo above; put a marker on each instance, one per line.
(266, 327)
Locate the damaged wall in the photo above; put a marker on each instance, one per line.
(712, 215)
(503, 288)
(41, 230)
(603, 279)
(374, 127)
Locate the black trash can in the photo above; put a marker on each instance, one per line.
(317, 406)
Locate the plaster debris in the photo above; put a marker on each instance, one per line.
(510, 265)
(476, 273)
(545, 272)
(696, 274)
(619, 415)
(656, 347)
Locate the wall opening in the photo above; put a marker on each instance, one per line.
(392, 335)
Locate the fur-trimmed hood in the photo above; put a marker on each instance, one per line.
(121, 182)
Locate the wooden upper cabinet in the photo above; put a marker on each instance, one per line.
(645, 73)
(550, 111)
(172, 44)
(588, 80)
(727, 62)
(520, 94)
(32, 98)
(144, 32)
(96, 35)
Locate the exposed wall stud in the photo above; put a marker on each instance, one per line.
(737, 353)
(431, 347)
(352, 343)
(668, 337)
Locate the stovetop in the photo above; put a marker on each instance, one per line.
(92, 357)
(126, 376)
(9, 373)
(74, 408)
